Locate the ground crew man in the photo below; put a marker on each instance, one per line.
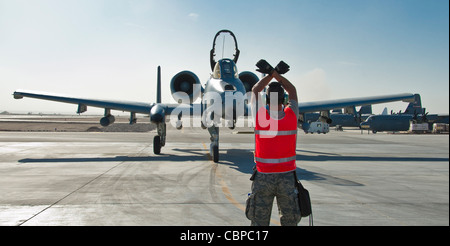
(275, 149)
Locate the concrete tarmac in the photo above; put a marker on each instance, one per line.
(354, 179)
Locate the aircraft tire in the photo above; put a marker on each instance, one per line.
(157, 145)
(216, 153)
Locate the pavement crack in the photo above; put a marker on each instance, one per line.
(74, 191)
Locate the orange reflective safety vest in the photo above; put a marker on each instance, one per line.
(275, 142)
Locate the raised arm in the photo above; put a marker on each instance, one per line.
(288, 86)
(258, 87)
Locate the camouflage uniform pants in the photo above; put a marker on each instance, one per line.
(264, 188)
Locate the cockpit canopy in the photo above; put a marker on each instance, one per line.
(225, 69)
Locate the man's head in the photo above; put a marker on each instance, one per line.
(275, 89)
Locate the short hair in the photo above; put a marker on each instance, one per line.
(275, 87)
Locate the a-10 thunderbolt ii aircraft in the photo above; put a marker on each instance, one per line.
(224, 96)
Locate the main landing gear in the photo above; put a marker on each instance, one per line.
(160, 140)
(214, 146)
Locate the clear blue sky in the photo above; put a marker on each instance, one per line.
(111, 48)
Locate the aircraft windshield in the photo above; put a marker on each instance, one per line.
(225, 69)
(216, 73)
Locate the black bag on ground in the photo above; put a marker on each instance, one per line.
(303, 198)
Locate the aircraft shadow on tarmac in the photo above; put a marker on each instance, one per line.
(242, 160)
(162, 157)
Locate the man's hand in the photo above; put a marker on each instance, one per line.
(290, 88)
(282, 67)
(277, 76)
(264, 67)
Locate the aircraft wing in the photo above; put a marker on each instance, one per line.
(144, 108)
(136, 107)
(128, 106)
(352, 102)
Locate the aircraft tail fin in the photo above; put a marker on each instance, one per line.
(415, 107)
(365, 109)
(385, 111)
(158, 86)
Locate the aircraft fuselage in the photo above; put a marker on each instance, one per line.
(224, 94)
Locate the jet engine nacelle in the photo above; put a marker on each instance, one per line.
(107, 120)
(185, 84)
(249, 79)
